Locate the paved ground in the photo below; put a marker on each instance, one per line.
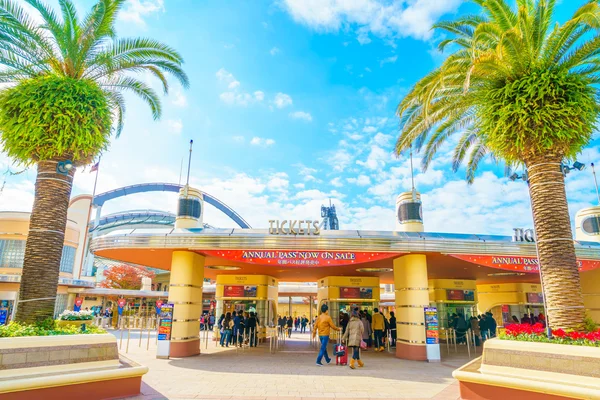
(291, 374)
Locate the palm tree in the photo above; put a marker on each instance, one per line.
(522, 89)
(64, 99)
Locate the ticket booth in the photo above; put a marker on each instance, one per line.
(507, 299)
(342, 293)
(248, 293)
(453, 296)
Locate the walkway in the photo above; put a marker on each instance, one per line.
(290, 374)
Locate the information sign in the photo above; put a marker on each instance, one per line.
(356, 293)
(165, 322)
(3, 315)
(239, 291)
(432, 335)
(299, 259)
(535, 298)
(431, 325)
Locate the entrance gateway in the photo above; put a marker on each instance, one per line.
(454, 273)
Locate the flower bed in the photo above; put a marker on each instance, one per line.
(537, 333)
(49, 328)
(69, 315)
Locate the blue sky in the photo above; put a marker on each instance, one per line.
(292, 103)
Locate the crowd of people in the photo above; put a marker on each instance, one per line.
(482, 326)
(286, 324)
(238, 328)
(377, 328)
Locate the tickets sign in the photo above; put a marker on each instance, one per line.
(299, 258)
(518, 263)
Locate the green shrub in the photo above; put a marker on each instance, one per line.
(46, 328)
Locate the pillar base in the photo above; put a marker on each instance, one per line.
(411, 352)
(185, 349)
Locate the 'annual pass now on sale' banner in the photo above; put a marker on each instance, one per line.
(296, 258)
(518, 263)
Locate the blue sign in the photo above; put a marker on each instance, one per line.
(431, 325)
(3, 315)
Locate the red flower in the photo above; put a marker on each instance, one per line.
(559, 333)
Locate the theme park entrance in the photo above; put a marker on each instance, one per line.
(434, 274)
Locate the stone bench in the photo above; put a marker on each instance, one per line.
(530, 370)
(66, 366)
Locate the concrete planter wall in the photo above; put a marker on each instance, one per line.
(66, 366)
(536, 371)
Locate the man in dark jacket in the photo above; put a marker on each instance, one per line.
(393, 329)
(236, 327)
(251, 326)
(491, 323)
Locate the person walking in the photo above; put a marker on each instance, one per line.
(353, 336)
(251, 326)
(303, 323)
(227, 325)
(290, 324)
(393, 329)
(378, 327)
(367, 331)
(323, 326)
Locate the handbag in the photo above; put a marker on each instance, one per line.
(363, 344)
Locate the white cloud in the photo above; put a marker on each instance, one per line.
(234, 96)
(180, 100)
(361, 180)
(369, 129)
(301, 115)
(377, 158)
(136, 10)
(274, 51)
(339, 160)
(175, 126)
(258, 141)
(278, 182)
(299, 185)
(240, 99)
(382, 140)
(225, 76)
(388, 60)
(337, 182)
(380, 18)
(282, 100)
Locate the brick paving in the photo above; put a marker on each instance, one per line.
(291, 374)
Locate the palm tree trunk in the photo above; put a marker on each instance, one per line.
(558, 264)
(45, 240)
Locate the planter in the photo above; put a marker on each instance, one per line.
(61, 322)
(515, 369)
(66, 366)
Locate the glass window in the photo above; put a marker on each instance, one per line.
(67, 260)
(12, 253)
(591, 225)
(60, 305)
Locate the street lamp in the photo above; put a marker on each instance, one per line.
(63, 167)
(576, 165)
